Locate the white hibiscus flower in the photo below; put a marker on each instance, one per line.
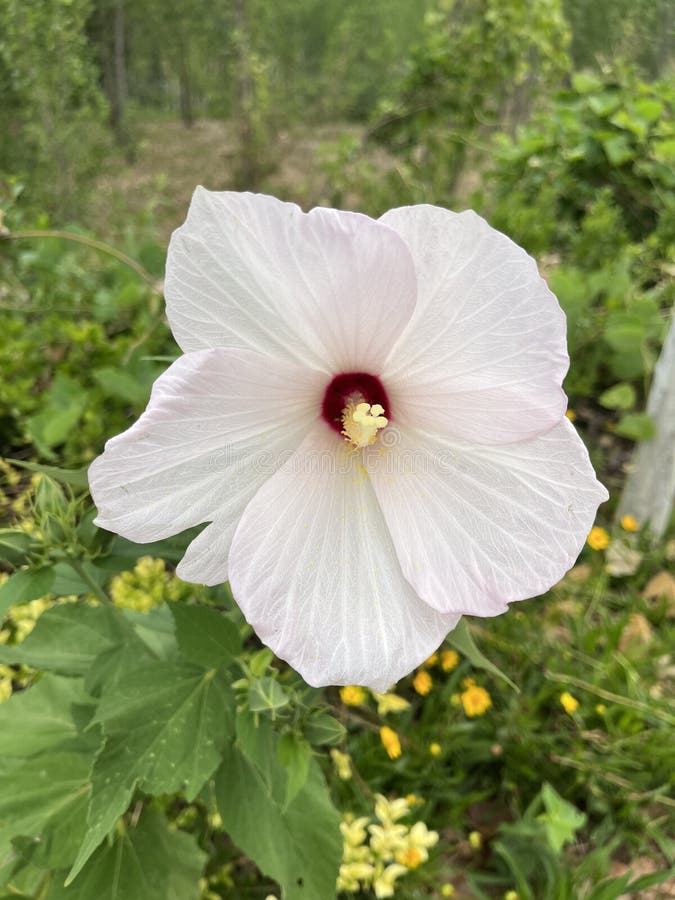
(369, 415)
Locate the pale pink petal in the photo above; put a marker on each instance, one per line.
(314, 570)
(331, 289)
(218, 424)
(476, 527)
(484, 355)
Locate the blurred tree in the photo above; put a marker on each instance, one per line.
(640, 32)
(480, 65)
(53, 109)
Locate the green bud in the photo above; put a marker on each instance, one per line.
(50, 498)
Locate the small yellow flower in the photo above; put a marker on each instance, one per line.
(353, 830)
(449, 661)
(387, 840)
(601, 709)
(390, 742)
(476, 840)
(352, 695)
(511, 895)
(435, 748)
(411, 857)
(447, 890)
(571, 415)
(569, 703)
(342, 763)
(389, 703)
(598, 539)
(412, 799)
(423, 682)
(383, 885)
(629, 523)
(388, 811)
(432, 661)
(475, 699)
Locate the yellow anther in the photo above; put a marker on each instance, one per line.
(361, 422)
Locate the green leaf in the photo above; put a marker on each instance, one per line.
(585, 82)
(42, 716)
(298, 845)
(24, 586)
(16, 545)
(604, 103)
(44, 791)
(67, 638)
(119, 383)
(624, 333)
(461, 640)
(618, 149)
(148, 862)
(637, 427)
(294, 755)
(561, 820)
(664, 151)
(324, 729)
(165, 725)
(76, 478)
(648, 109)
(64, 403)
(266, 694)
(205, 636)
(619, 396)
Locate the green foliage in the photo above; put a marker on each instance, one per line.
(589, 182)
(592, 173)
(143, 861)
(51, 105)
(635, 31)
(477, 65)
(292, 832)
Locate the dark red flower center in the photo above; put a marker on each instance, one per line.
(352, 385)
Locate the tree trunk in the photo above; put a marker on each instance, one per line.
(650, 488)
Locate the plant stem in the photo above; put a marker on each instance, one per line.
(94, 245)
(96, 589)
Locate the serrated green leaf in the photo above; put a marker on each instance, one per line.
(561, 820)
(619, 396)
(461, 640)
(148, 862)
(42, 716)
(294, 755)
(165, 726)
(300, 845)
(45, 790)
(324, 729)
(24, 586)
(67, 638)
(266, 694)
(205, 636)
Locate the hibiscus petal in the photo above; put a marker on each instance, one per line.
(484, 355)
(477, 527)
(217, 425)
(314, 570)
(331, 289)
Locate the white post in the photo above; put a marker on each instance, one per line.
(650, 487)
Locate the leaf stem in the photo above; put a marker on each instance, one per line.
(96, 589)
(94, 244)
